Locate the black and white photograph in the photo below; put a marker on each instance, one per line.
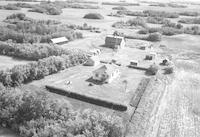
(99, 68)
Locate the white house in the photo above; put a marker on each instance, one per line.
(60, 40)
(106, 73)
(115, 42)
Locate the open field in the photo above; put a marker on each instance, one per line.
(9, 62)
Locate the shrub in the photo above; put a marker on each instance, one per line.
(169, 70)
(93, 16)
(132, 13)
(143, 31)
(137, 22)
(121, 4)
(154, 37)
(152, 70)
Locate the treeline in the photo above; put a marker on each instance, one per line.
(172, 5)
(189, 13)
(149, 13)
(31, 51)
(120, 4)
(21, 74)
(10, 7)
(136, 22)
(172, 29)
(190, 20)
(31, 112)
(157, 20)
(25, 30)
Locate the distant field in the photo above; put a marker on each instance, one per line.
(9, 62)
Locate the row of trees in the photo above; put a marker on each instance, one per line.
(32, 113)
(20, 74)
(31, 51)
(149, 13)
(190, 20)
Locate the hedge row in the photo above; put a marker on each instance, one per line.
(150, 13)
(31, 113)
(31, 51)
(20, 74)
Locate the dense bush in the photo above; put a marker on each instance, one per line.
(49, 9)
(10, 7)
(169, 70)
(132, 13)
(157, 20)
(31, 51)
(190, 20)
(20, 74)
(119, 8)
(30, 112)
(153, 13)
(93, 16)
(136, 22)
(189, 13)
(152, 70)
(24, 5)
(154, 37)
(121, 4)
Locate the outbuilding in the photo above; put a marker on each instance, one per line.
(115, 42)
(60, 40)
(106, 73)
(92, 61)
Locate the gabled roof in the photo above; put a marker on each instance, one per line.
(114, 39)
(107, 68)
(59, 40)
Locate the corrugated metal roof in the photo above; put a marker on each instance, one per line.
(59, 40)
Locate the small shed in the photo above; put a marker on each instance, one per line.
(145, 46)
(92, 61)
(134, 63)
(115, 42)
(106, 73)
(60, 40)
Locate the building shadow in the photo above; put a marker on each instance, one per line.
(95, 82)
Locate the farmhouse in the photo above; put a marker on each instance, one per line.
(106, 73)
(92, 61)
(115, 42)
(60, 40)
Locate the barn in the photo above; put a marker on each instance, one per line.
(115, 42)
(106, 73)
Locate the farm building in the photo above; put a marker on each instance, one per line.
(60, 40)
(106, 73)
(92, 61)
(151, 56)
(115, 42)
(145, 46)
(133, 63)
